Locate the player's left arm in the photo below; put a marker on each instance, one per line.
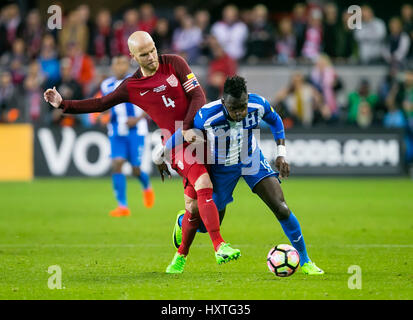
(194, 93)
(277, 128)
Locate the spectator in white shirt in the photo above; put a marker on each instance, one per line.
(370, 37)
(231, 33)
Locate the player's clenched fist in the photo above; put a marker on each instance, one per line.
(193, 136)
(53, 97)
(283, 167)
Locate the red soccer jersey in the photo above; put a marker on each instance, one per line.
(171, 94)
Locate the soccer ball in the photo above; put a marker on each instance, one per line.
(283, 260)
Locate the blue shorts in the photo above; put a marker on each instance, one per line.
(225, 178)
(128, 147)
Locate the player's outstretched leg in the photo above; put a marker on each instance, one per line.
(292, 229)
(269, 190)
(148, 193)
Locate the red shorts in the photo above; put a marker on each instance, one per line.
(189, 166)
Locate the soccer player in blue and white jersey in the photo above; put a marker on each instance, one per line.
(228, 124)
(127, 129)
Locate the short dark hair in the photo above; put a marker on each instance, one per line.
(235, 86)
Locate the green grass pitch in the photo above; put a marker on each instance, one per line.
(65, 222)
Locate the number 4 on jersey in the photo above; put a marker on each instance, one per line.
(169, 102)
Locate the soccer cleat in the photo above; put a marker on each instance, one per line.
(148, 198)
(311, 269)
(120, 212)
(177, 265)
(177, 234)
(225, 253)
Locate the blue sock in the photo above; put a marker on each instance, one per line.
(200, 229)
(144, 179)
(119, 187)
(292, 230)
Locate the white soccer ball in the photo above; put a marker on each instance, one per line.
(283, 260)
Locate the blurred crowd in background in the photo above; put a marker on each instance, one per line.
(75, 59)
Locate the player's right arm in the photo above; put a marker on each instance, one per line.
(178, 137)
(277, 128)
(162, 153)
(100, 104)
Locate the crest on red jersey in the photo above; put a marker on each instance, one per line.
(172, 80)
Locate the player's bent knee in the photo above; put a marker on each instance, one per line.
(191, 205)
(282, 211)
(203, 182)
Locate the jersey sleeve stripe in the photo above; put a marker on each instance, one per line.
(190, 84)
(190, 80)
(208, 121)
(258, 106)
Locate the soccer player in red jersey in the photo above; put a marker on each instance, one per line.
(167, 90)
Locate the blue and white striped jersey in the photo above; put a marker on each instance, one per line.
(119, 114)
(232, 140)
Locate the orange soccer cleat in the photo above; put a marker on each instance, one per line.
(120, 212)
(148, 198)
